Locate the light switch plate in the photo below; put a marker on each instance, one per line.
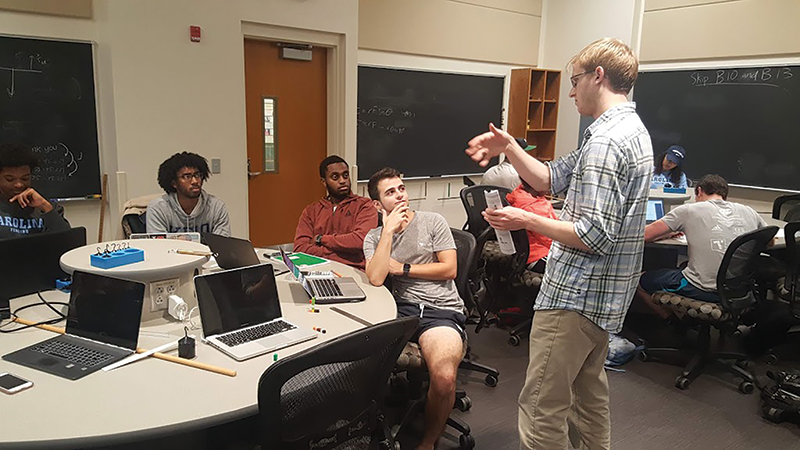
(216, 163)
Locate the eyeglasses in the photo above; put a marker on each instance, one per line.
(574, 79)
(189, 176)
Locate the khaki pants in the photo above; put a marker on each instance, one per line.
(565, 369)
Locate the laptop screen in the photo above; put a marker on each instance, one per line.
(655, 210)
(105, 309)
(295, 271)
(231, 253)
(238, 298)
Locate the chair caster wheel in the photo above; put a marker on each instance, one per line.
(643, 356)
(682, 382)
(464, 404)
(466, 442)
(746, 387)
(772, 359)
(774, 415)
(513, 340)
(490, 380)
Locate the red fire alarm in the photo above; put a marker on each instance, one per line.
(194, 33)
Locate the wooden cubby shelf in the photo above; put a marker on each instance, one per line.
(533, 109)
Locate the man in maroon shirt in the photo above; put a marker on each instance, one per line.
(334, 227)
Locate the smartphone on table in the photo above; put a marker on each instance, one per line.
(11, 384)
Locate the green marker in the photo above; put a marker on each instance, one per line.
(275, 357)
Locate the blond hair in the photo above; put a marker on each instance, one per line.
(616, 58)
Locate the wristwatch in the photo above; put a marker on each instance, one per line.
(318, 239)
(406, 269)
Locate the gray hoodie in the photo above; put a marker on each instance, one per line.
(165, 215)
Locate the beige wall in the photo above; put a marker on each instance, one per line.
(159, 93)
(723, 29)
(568, 26)
(501, 31)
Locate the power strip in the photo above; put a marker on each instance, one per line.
(160, 292)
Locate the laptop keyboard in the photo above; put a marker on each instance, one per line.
(327, 287)
(73, 353)
(251, 334)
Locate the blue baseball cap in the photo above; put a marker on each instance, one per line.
(675, 154)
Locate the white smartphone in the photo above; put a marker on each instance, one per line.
(11, 384)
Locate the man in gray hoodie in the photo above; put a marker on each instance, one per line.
(186, 207)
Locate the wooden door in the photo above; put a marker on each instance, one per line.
(276, 198)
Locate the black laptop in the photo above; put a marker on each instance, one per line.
(32, 263)
(102, 328)
(235, 253)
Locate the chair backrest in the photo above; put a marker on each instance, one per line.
(330, 396)
(787, 208)
(467, 263)
(134, 223)
(474, 201)
(793, 268)
(736, 275)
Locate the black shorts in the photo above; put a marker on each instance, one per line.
(430, 317)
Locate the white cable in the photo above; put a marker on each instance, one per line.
(192, 325)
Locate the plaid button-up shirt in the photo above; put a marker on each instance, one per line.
(608, 182)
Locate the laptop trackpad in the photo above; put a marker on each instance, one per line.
(350, 288)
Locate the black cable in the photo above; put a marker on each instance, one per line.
(49, 304)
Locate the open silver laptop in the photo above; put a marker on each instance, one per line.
(655, 210)
(241, 312)
(326, 288)
(102, 327)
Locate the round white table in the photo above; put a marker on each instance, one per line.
(670, 199)
(152, 398)
(161, 262)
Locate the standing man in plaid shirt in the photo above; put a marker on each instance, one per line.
(596, 257)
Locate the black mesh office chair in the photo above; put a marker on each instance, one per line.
(474, 201)
(331, 396)
(784, 330)
(787, 208)
(738, 293)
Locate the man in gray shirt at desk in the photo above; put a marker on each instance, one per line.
(710, 225)
(418, 250)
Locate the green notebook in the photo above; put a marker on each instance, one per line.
(304, 260)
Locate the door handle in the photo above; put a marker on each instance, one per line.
(251, 175)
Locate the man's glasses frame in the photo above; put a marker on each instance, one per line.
(574, 79)
(190, 176)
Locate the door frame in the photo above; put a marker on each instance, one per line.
(337, 81)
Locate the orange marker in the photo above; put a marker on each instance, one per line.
(335, 273)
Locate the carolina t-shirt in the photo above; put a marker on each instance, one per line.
(426, 234)
(710, 226)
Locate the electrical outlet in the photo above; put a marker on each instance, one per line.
(160, 292)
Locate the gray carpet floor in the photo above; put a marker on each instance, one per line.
(647, 411)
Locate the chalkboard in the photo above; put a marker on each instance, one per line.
(47, 102)
(740, 123)
(420, 122)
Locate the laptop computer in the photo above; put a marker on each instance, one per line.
(241, 312)
(102, 327)
(325, 288)
(234, 253)
(32, 262)
(655, 210)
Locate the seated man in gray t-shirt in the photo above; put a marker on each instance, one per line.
(710, 225)
(418, 250)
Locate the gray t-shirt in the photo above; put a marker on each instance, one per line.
(426, 234)
(710, 226)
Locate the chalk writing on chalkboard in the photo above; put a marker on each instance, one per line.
(764, 76)
(56, 162)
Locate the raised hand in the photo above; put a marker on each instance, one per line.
(29, 197)
(486, 146)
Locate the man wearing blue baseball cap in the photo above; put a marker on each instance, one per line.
(668, 171)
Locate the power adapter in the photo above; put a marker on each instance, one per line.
(177, 308)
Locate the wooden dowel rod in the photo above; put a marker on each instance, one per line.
(163, 356)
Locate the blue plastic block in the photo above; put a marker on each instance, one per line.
(62, 285)
(674, 190)
(118, 258)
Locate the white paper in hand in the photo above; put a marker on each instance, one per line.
(493, 201)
